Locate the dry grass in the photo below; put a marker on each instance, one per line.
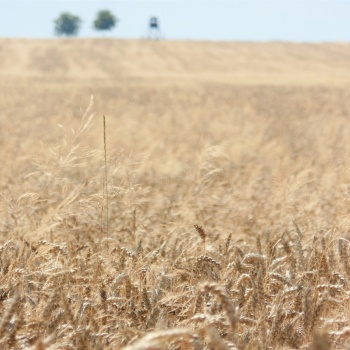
(228, 200)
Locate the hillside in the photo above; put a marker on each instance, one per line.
(224, 62)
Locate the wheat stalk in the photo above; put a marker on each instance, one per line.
(106, 175)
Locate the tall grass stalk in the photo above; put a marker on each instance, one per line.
(106, 172)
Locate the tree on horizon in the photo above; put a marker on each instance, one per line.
(105, 20)
(67, 24)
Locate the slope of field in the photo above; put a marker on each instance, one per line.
(222, 218)
(234, 63)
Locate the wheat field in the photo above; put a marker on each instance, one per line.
(210, 211)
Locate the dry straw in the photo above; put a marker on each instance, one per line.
(106, 175)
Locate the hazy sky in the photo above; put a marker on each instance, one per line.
(253, 20)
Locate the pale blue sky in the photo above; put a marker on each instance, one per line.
(245, 20)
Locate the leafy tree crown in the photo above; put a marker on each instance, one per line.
(67, 24)
(105, 20)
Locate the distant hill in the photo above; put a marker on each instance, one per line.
(273, 63)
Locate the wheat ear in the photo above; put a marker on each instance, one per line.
(10, 311)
